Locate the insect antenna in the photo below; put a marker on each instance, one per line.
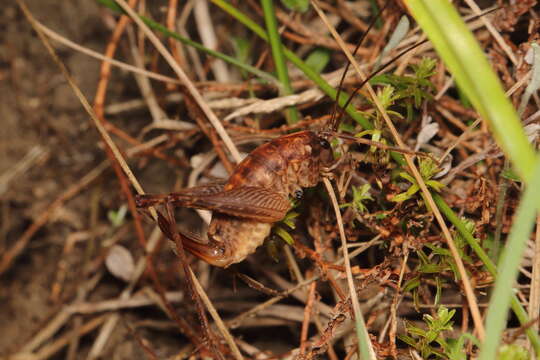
(375, 73)
(334, 120)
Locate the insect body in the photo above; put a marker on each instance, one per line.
(255, 196)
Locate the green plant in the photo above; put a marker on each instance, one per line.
(428, 169)
(360, 195)
(281, 230)
(431, 342)
(412, 90)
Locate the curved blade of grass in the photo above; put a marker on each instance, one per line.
(309, 72)
(362, 335)
(401, 30)
(534, 85)
(509, 266)
(466, 61)
(157, 26)
(516, 306)
(279, 58)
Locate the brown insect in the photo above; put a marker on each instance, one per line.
(255, 196)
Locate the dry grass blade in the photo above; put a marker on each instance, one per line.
(137, 70)
(12, 253)
(185, 80)
(350, 281)
(502, 43)
(469, 291)
(103, 132)
(213, 312)
(534, 297)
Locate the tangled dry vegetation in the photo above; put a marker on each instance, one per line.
(84, 274)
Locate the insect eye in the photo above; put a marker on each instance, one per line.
(324, 144)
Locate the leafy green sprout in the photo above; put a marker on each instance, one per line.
(413, 90)
(513, 352)
(431, 341)
(428, 169)
(360, 195)
(427, 267)
(439, 260)
(281, 230)
(117, 217)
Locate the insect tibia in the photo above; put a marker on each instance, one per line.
(144, 201)
(210, 251)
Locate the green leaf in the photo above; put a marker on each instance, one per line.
(296, 5)
(111, 4)
(435, 185)
(407, 177)
(117, 217)
(510, 175)
(513, 352)
(455, 348)
(431, 268)
(289, 219)
(282, 233)
(411, 284)
(318, 59)
(508, 270)
(401, 197)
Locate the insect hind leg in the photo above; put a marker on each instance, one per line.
(169, 228)
(148, 200)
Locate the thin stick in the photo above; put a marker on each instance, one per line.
(10, 255)
(206, 31)
(534, 297)
(469, 292)
(350, 282)
(307, 316)
(498, 38)
(49, 350)
(219, 322)
(64, 41)
(191, 280)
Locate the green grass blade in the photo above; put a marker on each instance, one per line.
(157, 26)
(466, 61)
(279, 58)
(509, 266)
(516, 306)
(308, 71)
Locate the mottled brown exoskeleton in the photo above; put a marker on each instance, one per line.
(255, 196)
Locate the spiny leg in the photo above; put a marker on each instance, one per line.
(209, 251)
(177, 238)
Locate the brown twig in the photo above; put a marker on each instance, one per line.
(20, 244)
(307, 316)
